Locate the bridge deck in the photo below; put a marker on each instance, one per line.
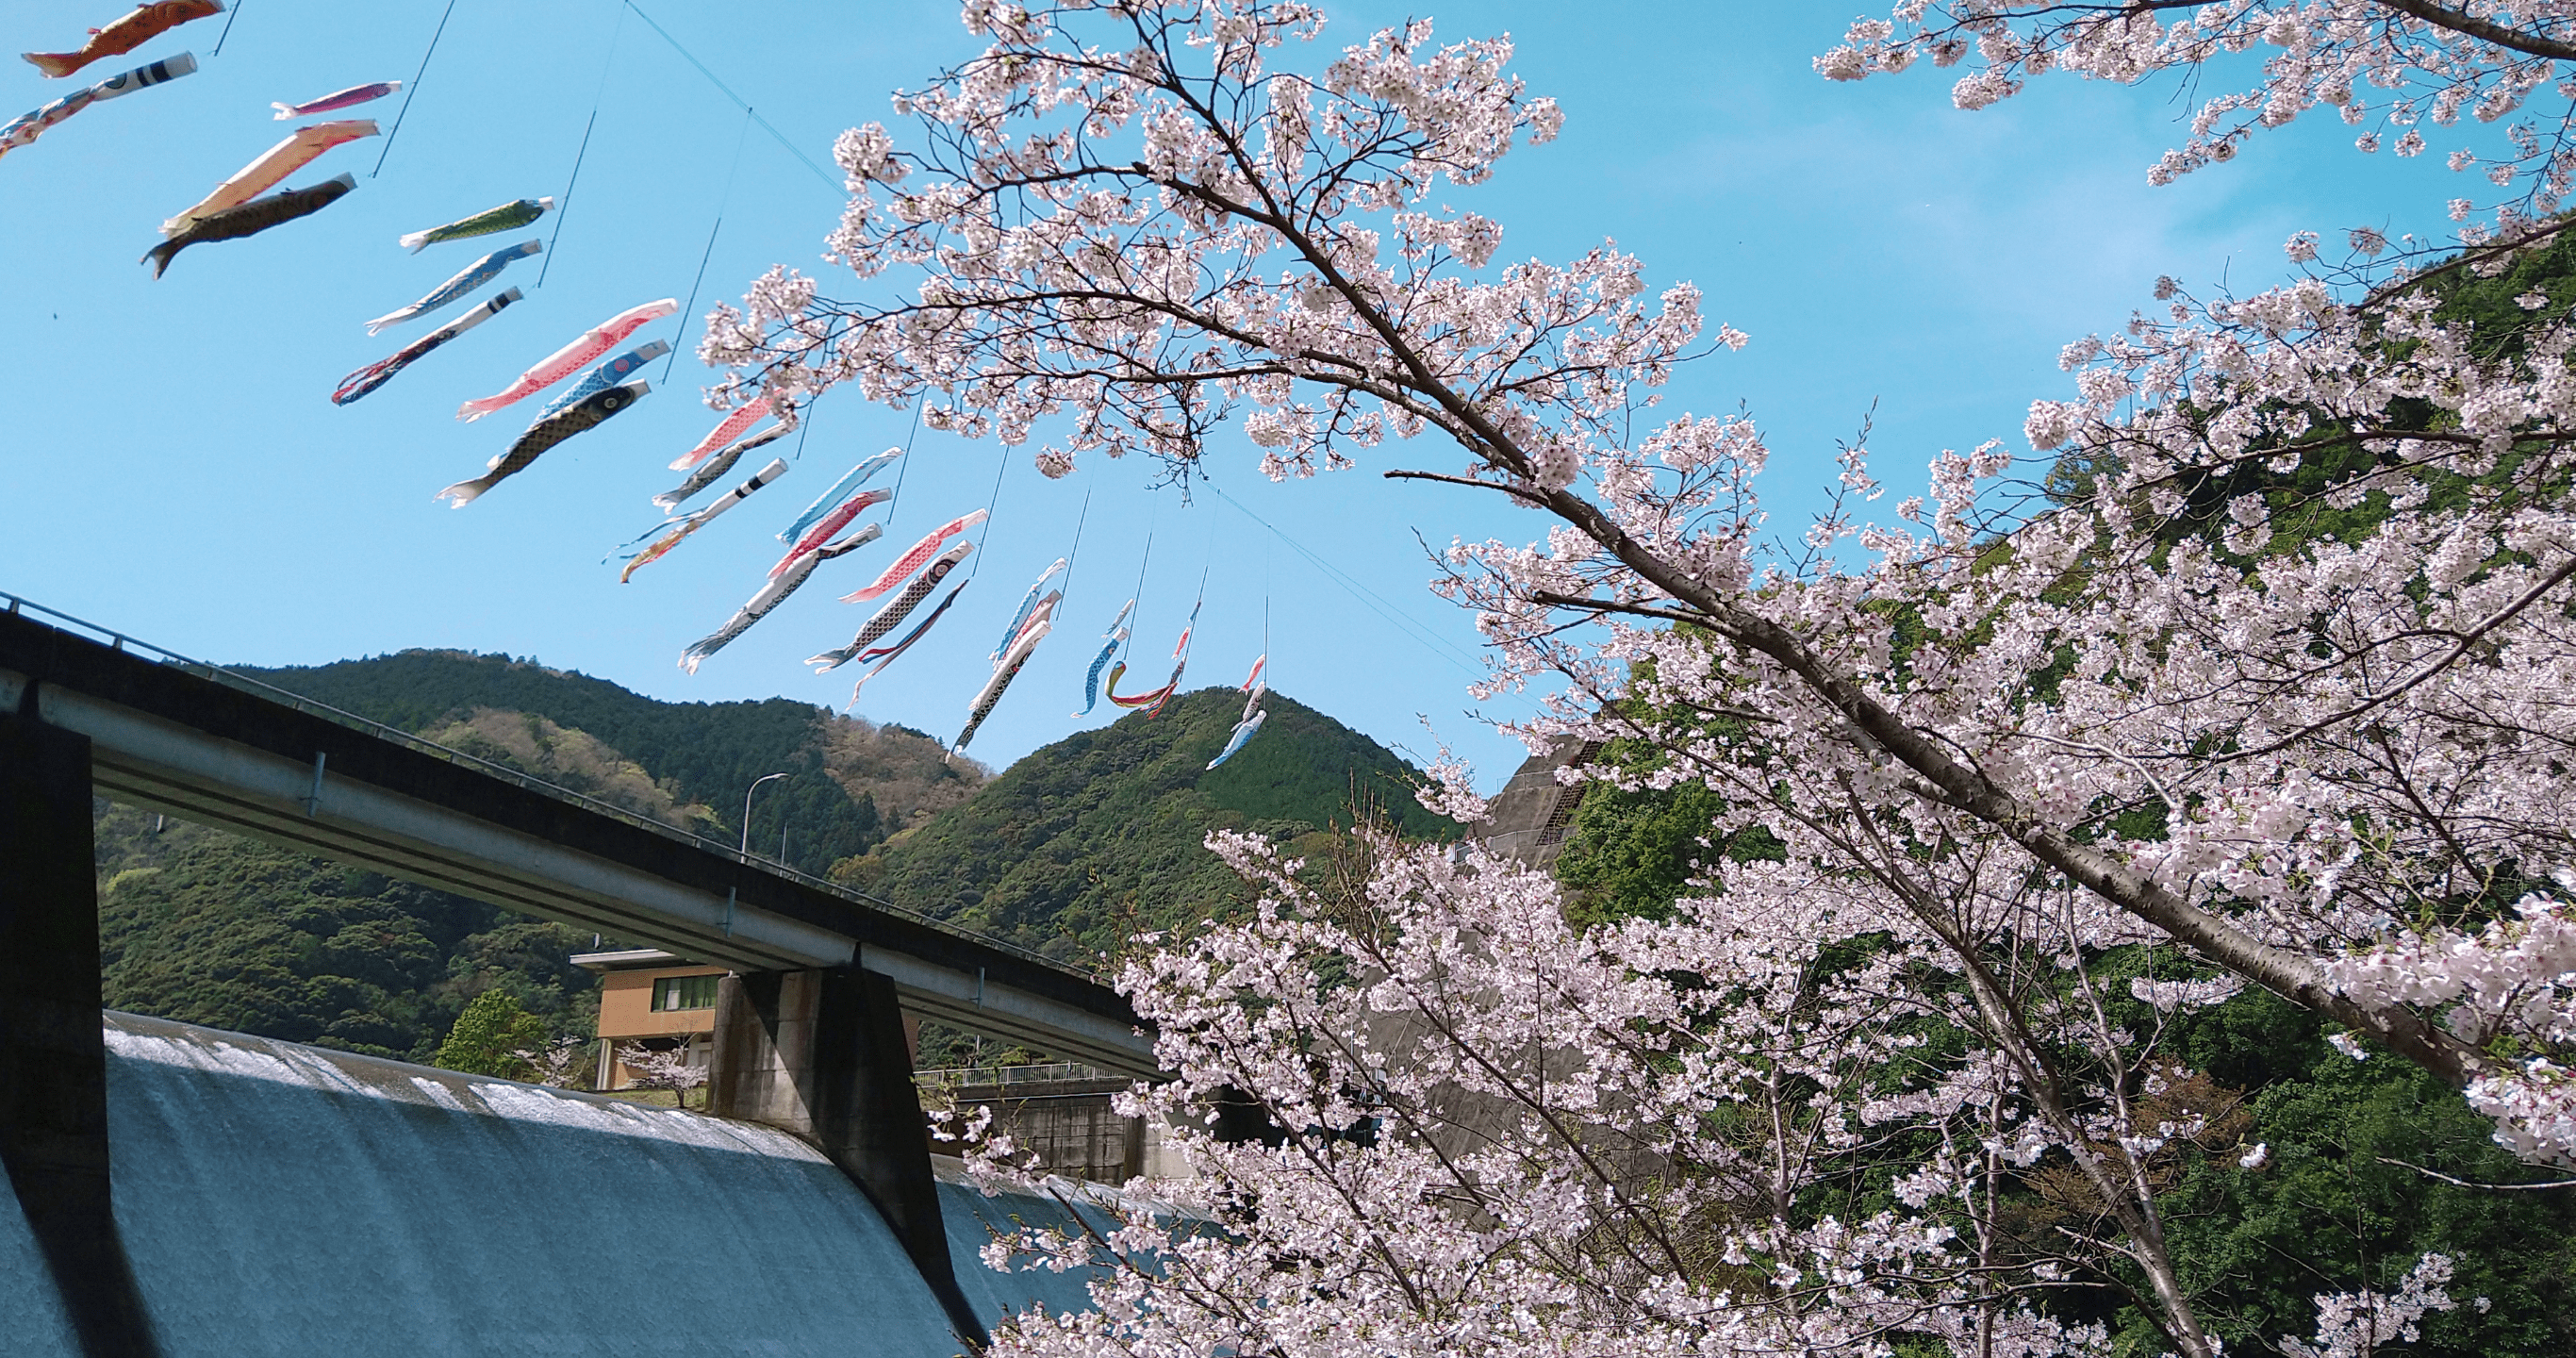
(193, 740)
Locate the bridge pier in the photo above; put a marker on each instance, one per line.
(824, 1055)
(53, 1058)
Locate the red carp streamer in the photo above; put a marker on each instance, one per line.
(916, 558)
(566, 361)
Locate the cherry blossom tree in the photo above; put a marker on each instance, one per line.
(668, 1068)
(2268, 689)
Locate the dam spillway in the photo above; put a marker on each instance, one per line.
(280, 1199)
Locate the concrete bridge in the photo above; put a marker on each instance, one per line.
(809, 1034)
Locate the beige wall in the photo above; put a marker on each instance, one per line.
(626, 1005)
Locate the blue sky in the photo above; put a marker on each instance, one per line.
(179, 473)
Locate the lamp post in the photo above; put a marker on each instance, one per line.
(746, 811)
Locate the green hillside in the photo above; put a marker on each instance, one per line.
(851, 782)
(205, 927)
(1071, 851)
(1084, 842)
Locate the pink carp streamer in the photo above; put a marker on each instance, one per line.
(733, 428)
(1252, 680)
(302, 147)
(895, 652)
(337, 100)
(831, 523)
(681, 529)
(895, 611)
(916, 558)
(566, 361)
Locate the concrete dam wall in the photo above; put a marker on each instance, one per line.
(289, 1200)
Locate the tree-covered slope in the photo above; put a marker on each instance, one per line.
(851, 782)
(204, 927)
(1084, 842)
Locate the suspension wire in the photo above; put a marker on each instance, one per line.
(709, 253)
(563, 205)
(774, 134)
(804, 426)
(1414, 630)
(1000, 465)
(1073, 559)
(903, 470)
(1141, 563)
(228, 29)
(411, 90)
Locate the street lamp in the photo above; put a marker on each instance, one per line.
(746, 811)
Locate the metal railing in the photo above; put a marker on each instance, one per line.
(952, 1077)
(19, 605)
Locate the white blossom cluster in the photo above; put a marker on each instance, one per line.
(2392, 70)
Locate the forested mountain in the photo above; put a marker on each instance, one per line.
(204, 927)
(1072, 850)
(1084, 842)
(850, 783)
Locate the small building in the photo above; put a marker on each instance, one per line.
(650, 1000)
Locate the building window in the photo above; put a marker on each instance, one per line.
(685, 992)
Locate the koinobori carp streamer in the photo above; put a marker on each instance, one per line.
(545, 434)
(607, 374)
(680, 529)
(772, 594)
(895, 611)
(381, 371)
(337, 100)
(730, 428)
(895, 652)
(1109, 646)
(302, 147)
(251, 218)
(716, 466)
(1020, 615)
(914, 559)
(1243, 731)
(858, 476)
(506, 217)
(1012, 661)
(1151, 701)
(475, 275)
(832, 523)
(24, 129)
(566, 361)
(133, 29)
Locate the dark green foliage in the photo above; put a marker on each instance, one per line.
(489, 1036)
(706, 753)
(1631, 854)
(1083, 843)
(206, 928)
(2328, 1215)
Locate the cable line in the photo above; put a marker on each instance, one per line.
(228, 30)
(709, 253)
(411, 90)
(563, 205)
(1415, 630)
(1000, 465)
(775, 135)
